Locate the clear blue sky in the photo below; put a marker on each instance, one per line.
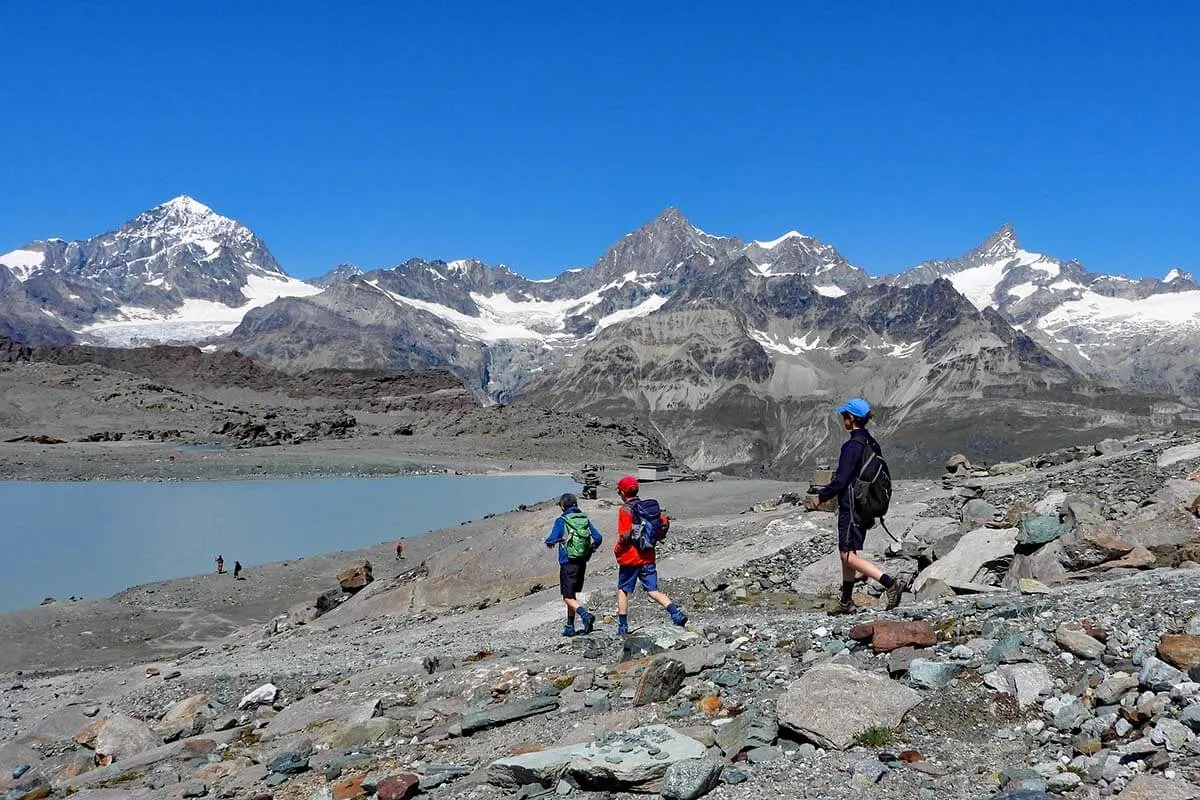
(535, 134)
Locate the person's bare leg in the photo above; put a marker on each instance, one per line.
(622, 602)
(572, 605)
(857, 563)
(659, 598)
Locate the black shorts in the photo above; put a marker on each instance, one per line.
(570, 578)
(851, 536)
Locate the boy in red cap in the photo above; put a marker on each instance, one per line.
(635, 552)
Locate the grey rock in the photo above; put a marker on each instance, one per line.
(123, 737)
(978, 512)
(194, 790)
(1038, 530)
(1113, 687)
(1072, 638)
(290, 763)
(365, 734)
(660, 681)
(746, 731)
(1022, 794)
(864, 700)
(596, 764)
(1071, 716)
(690, 779)
(1159, 676)
(1190, 716)
(1063, 782)
(506, 712)
(974, 552)
(868, 772)
(763, 755)
(1025, 682)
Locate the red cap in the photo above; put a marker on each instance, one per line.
(627, 484)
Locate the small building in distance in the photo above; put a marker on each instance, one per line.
(652, 471)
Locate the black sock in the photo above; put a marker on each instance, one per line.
(887, 580)
(847, 592)
(571, 618)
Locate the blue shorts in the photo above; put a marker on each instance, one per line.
(628, 577)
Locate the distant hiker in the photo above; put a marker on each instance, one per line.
(640, 525)
(860, 449)
(220, 565)
(577, 539)
(400, 549)
(237, 570)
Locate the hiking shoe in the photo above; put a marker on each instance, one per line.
(841, 608)
(589, 621)
(891, 597)
(679, 618)
(569, 630)
(622, 630)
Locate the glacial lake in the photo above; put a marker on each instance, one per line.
(93, 539)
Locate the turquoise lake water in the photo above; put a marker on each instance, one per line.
(93, 539)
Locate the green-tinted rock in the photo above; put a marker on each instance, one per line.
(1040, 530)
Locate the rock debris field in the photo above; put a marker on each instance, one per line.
(1048, 647)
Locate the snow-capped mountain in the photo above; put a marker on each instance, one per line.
(176, 273)
(505, 328)
(1137, 332)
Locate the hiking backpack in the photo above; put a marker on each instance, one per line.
(577, 535)
(872, 490)
(650, 524)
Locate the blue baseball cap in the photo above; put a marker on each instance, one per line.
(855, 407)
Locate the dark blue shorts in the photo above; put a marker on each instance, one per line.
(628, 577)
(570, 578)
(851, 536)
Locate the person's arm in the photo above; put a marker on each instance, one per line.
(557, 532)
(597, 539)
(847, 463)
(624, 525)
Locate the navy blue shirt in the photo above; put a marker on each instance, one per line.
(849, 463)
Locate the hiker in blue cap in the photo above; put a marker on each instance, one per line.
(852, 531)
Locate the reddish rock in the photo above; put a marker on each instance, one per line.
(911, 756)
(397, 787)
(887, 636)
(88, 733)
(1180, 650)
(348, 789)
(711, 705)
(1094, 631)
(862, 633)
(355, 576)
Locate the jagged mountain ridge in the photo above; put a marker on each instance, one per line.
(178, 272)
(1142, 333)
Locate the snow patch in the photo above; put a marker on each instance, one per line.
(776, 242)
(1115, 313)
(830, 290)
(648, 306)
(794, 346)
(194, 319)
(1022, 291)
(23, 262)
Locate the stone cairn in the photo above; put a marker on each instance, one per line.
(589, 476)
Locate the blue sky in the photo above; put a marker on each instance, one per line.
(536, 134)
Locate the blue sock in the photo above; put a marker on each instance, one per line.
(672, 609)
(623, 619)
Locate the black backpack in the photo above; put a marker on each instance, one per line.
(872, 489)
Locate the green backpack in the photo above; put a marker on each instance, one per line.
(577, 537)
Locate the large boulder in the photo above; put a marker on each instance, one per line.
(123, 737)
(1092, 544)
(863, 700)
(355, 577)
(888, 635)
(661, 679)
(1152, 787)
(977, 551)
(689, 780)
(1180, 650)
(620, 760)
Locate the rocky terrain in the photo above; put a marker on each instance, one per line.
(1048, 647)
(76, 412)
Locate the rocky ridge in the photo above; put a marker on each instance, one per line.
(1034, 658)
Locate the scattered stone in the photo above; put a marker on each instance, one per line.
(1159, 676)
(291, 763)
(660, 681)
(651, 751)
(1038, 530)
(263, 695)
(864, 700)
(195, 790)
(690, 779)
(973, 554)
(926, 674)
(1180, 650)
(1072, 638)
(1025, 682)
(1148, 787)
(398, 787)
(506, 712)
(1031, 586)
(888, 635)
(364, 734)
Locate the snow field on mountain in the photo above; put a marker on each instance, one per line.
(22, 262)
(1157, 311)
(195, 319)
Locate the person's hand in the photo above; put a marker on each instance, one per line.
(814, 503)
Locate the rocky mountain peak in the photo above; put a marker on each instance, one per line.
(1001, 244)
